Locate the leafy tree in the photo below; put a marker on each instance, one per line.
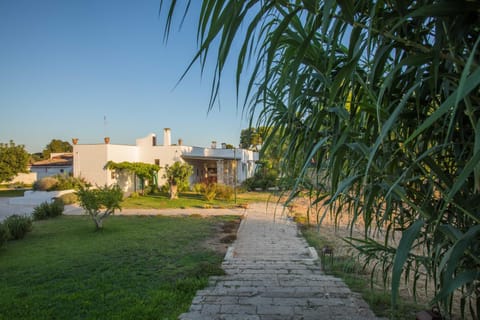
(272, 151)
(144, 171)
(56, 146)
(382, 99)
(251, 138)
(13, 160)
(37, 156)
(177, 177)
(266, 176)
(100, 203)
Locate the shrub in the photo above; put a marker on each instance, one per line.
(18, 226)
(69, 198)
(224, 192)
(242, 188)
(58, 182)
(48, 210)
(151, 189)
(67, 182)
(210, 191)
(165, 188)
(134, 195)
(262, 180)
(249, 184)
(45, 184)
(198, 188)
(4, 235)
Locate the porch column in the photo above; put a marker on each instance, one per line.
(220, 173)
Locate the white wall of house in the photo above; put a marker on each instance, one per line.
(47, 171)
(120, 153)
(89, 161)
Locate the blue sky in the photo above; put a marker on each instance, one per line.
(65, 66)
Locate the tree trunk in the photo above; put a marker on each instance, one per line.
(98, 223)
(173, 191)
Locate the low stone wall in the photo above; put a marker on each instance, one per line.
(25, 178)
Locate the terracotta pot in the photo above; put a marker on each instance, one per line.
(107, 140)
(75, 140)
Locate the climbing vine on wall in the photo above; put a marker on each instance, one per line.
(144, 171)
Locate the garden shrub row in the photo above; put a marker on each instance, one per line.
(14, 227)
(69, 198)
(58, 182)
(48, 210)
(214, 191)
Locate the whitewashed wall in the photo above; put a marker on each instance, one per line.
(42, 172)
(167, 155)
(26, 178)
(88, 163)
(120, 153)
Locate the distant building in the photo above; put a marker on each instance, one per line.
(59, 163)
(212, 164)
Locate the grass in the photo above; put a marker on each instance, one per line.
(11, 193)
(351, 271)
(257, 196)
(190, 200)
(138, 267)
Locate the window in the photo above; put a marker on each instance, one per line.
(157, 162)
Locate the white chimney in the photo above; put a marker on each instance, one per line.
(167, 138)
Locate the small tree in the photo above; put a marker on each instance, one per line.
(100, 203)
(13, 160)
(177, 176)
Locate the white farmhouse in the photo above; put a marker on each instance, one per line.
(212, 164)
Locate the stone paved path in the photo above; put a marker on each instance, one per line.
(272, 274)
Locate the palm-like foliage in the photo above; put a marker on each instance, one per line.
(384, 97)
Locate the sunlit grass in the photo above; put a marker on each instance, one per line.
(193, 200)
(11, 192)
(136, 268)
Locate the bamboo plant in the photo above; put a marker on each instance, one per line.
(383, 98)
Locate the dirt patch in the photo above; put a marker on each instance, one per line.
(225, 234)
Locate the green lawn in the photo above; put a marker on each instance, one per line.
(190, 200)
(136, 268)
(11, 193)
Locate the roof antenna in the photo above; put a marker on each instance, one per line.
(104, 125)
